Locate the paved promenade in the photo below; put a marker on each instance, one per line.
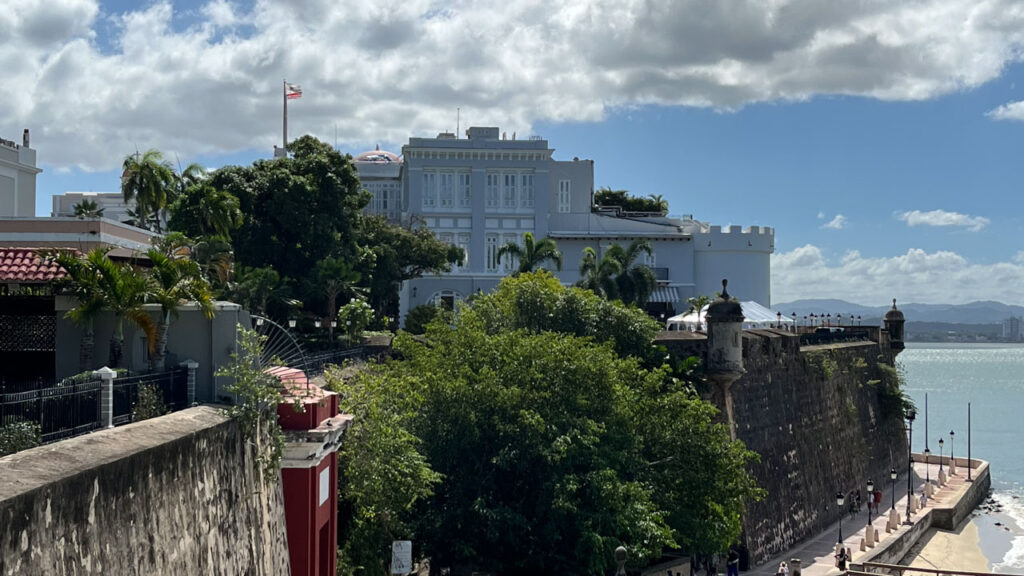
(817, 554)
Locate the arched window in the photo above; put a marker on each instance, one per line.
(445, 299)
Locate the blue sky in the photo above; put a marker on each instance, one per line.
(881, 139)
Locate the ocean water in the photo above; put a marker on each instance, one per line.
(991, 378)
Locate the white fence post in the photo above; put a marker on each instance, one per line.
(106, 396)
(192, 366)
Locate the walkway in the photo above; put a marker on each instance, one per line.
(817, 554)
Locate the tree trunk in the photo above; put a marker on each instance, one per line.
(116, 348)
(160, 348)
(86, 348)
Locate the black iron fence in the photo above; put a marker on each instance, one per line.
(173, 387)
(317, 362)
(827, 337)
(62, 411)
(72, 406)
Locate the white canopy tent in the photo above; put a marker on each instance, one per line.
(754, 316)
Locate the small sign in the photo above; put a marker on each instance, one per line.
(401, 557)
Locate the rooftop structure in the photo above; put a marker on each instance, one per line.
(112, 204)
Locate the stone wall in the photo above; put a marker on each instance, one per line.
(172, 495)
(816, 422)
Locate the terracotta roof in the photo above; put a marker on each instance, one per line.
(24, 265)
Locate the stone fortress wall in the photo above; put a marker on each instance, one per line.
(172, 495)
(816, 422)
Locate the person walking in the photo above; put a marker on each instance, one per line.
(732, 563)
(841, 559)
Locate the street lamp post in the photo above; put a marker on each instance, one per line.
(927, 466)
(940, 456)
(871, 498)
(910, 461)
(892, 475)
(952, 461)
(839, 502)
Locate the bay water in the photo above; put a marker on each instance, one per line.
(991, 378)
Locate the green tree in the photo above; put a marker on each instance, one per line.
(635, 281)
(124, 290)
(697, 303)
(598, 276)
(150, 182)
(202, 211)
(552, 446)
(81, 282)
(256, 289)
(653, 203)
(175, 282)
(532, 255)
(335, 277)
(399, 254)
(87, 209)
(297, 210)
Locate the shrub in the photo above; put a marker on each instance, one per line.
(417, 319)
(150, 403)
(354, 317)
(20, 435)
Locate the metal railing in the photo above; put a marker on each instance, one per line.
(172, 385)
(317, 363)
(820, 338)
(62, 411)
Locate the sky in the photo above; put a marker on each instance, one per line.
(881, 139)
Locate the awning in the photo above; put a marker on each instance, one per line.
(665, 294)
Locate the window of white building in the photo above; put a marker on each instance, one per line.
(465, 190)
(564, 195)
(491, 244)
(493, 185)
(526, 191)
(463, 241)
(429, 189)
(447, 195)
(445, 299)
(510, 191)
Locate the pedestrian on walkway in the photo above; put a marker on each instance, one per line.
(783, 569)
(841, 559)
(858, 500)
(878, 499)
(732, 563)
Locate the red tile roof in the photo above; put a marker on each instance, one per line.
(24, 265)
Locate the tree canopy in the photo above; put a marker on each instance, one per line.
(653, 203)
(542, 441)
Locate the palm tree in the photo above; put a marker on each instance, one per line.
(124, 290)
(175, 281)
(659, 202)
(598, 276)
(219, 211)
(532, 255)
(149, 180)
(87, 209)
(697, 303)
(82, 283)
(635, 281)
(334, 277)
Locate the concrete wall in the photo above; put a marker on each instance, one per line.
(190, 337)
(817, 425)
(172, 495)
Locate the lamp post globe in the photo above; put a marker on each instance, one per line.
(839, 502)
(620, 560)
(892, 475)
(871, 498)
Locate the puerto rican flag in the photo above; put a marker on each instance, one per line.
(292, 91)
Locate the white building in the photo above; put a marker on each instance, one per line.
(483, 191)
(112, 204)
(17, 178)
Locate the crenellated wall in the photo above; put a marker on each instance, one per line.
(176, 494)
(815, 419)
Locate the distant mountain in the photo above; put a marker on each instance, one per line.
(981, 312)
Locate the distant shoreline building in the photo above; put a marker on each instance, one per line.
(483, 191)
(1011, 329)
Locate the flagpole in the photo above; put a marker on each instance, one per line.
(284, 98)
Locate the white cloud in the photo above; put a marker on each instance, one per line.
(385, 70)
(1010, 111)
(939, 277)
(943, 218)
(821, 215)
(836, 223)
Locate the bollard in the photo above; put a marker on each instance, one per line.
(869, 536)
(106, 396)
(794, 566)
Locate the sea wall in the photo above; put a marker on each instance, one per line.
(171, 495)
(814, 416)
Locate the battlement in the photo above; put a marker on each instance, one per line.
(753, 230)
(738, 238)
